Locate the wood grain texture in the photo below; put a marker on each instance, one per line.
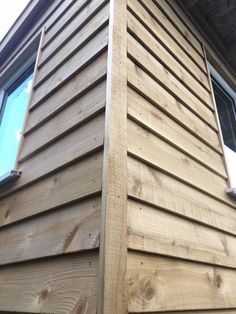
(74, 65)
(74, 182)
(113, 246)
(189, 34)
(50, 219)
(69, 229)
(231, 311)
(217, 61)
(153, 150)
(69, 117)
(60, 154)
(75, 88)
(69, 24)
(169, 215)
(167, 234)
(153, 187)
(169, 43)
(67, 16)
(58, 285)
(145, 113)
(163, 284)
(156, 70)
(157, 95)
(93, 27)
(175, 34)
(166, 58)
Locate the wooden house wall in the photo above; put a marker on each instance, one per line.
(181, 224)
(50, 218)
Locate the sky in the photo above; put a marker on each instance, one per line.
(9, 11)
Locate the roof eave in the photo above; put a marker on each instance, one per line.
(22, 25)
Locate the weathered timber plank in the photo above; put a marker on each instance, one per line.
(164, 284)
(69, 229)
(230, 311)
(74, 145)
(153, 150)
(59, 285)
(67, 16)
(77, 181)
(167, 234)
(175, 34)
(112, 295)
(71, 47)
(158, 189)
(68, 31)
(160, 34)
(69, 24)
(156, 70)
(76, 87)
(212, 55)
(159, 123)
(69, 69)
(71, 116)
(188, 34)
(162, 54)
(155, 93)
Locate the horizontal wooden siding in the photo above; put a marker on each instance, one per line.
(181, 224)
(54, 208)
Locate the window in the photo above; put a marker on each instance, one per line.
(12, 115)
(225, 99)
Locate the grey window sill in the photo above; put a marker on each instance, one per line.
(231, 192)
(10, 176)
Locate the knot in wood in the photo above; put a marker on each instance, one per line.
(148, 290)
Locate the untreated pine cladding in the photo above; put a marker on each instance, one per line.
(152, 66)
(121, 205)
(145, 14)
(181, 224)
(156, 188)
(72, 228)
(159, 51)
(146, 113)
(165, 284)
(92, 74)
(203, 312)
(55, 207)
(148, 147)
(60, 147)
(73, 115)
(65, 284)
(164, 233)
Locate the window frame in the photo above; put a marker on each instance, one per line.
(15, 77)
(10, 87)
(218, 78)
(7, 81)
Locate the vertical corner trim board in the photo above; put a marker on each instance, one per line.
(113, 246)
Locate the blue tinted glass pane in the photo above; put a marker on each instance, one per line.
(12, 124)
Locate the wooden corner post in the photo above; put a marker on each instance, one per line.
(113, 245)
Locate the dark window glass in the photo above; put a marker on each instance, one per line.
(12, 117)
(227, 116)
